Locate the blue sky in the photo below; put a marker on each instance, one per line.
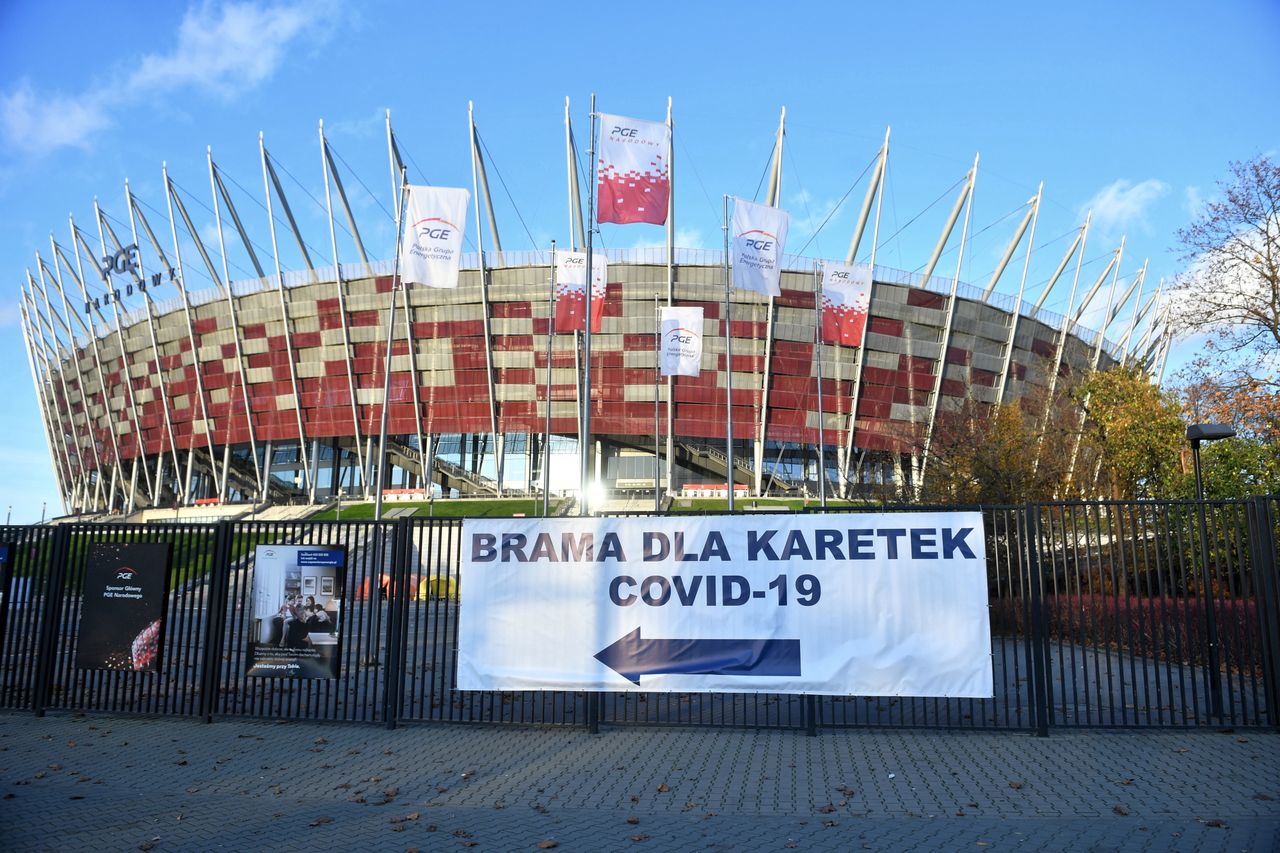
(1131, 109)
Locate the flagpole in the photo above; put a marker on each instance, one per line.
(728, 361)
(386, 373)
(551, 336)
(584, 439)
(817, 352)
(845, 486)
(657, 421)
(671, 286)
(576, 239)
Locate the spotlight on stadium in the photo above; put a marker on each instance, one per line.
(596, 493)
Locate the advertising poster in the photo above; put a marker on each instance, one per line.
(122, 619)
(297, 610)
(845, 604)
(7, 551)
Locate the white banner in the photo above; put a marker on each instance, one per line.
(891, 604)
(633, 172)
(431, 248)
(680, 334)
(759, 235)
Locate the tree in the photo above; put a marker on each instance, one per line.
(1250, 463)
(1133, 437)
(1231, 291)
(1005, 454)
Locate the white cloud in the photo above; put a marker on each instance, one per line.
(1122, 205)
(1192, 201)
(223, 49)
(34, 123)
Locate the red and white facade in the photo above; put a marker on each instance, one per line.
(188, 382)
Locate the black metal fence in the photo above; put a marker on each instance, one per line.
(1107, 614)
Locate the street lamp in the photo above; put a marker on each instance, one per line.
(1197, 433)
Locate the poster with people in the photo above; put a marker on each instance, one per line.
(297, 611)
(7, 587)
(126, 587)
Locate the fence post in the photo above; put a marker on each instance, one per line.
(1262, 547)
(50, 629)
(398, 596)
(215, 619)
(1213, 675)
(1039, 636)
(594, 710)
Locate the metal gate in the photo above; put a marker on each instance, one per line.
(1103, 614)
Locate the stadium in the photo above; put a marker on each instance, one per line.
(272, 388)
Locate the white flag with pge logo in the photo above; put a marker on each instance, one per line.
(432, 244)
(759, 234)
(681, 341)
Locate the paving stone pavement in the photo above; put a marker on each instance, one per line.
(72, 782)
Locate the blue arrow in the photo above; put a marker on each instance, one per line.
(632, 657)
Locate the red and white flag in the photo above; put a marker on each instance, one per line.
(431, 247)
(680, 334)
(846, 296)
(571, 291)
(633, 170)
(759, 235)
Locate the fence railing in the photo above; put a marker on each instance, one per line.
(1102, 615)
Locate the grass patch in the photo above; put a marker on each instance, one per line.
(463, 508)
(191, 555)
(746, 504)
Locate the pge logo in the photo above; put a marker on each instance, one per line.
(125, 574)
(840, 275)
(762, 243)
(433, 229)
(626, 132)
(682, 336)
(571, 261)
(123, 261)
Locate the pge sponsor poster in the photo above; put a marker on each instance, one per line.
(126, 588)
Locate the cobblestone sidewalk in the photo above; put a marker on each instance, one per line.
(102, 783)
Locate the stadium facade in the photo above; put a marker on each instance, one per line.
(272, 388)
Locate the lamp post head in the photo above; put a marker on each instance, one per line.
(1197, 433)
